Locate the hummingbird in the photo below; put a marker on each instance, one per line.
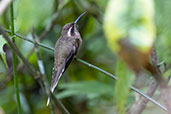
(66, 48)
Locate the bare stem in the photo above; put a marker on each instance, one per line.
(14, 62)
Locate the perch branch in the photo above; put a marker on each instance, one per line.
(42, 71)
(95, 67)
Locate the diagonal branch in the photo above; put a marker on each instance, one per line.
(114, 77)
(25, 38)
(140, 105)
(95, 67)
(42, 71)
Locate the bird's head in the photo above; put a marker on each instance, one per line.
(71, 29)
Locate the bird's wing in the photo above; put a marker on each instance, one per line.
(57, 73)
(70, 57)
(59, 70)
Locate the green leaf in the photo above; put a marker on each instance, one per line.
(125, 79)
(33, 58)
(33, 13)
(130, 19)
(92, 89)
(163, 22)
(94, 46)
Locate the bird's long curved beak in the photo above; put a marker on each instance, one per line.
(79, 17)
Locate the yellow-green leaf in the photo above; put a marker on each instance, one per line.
(131, 19)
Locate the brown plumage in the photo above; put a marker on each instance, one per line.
(66, 48)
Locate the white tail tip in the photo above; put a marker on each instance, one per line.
(48, 101)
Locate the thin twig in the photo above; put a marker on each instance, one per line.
(14, 57)
(95, 67)
(140, 105)
(41, 66)
(25, 38)
(42, 71)
(59, 104)
(164, 87)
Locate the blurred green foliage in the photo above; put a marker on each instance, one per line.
(131, 21)
(82, 89)
(32, 15)
(122, 85)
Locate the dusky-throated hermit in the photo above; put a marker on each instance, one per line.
(66, 48)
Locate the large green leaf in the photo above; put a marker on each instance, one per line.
(125, 79)
(92, 89)
(33, 13)
(131, 19)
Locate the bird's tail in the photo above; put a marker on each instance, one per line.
(54, 84)
(51, 90)
(48, 101)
